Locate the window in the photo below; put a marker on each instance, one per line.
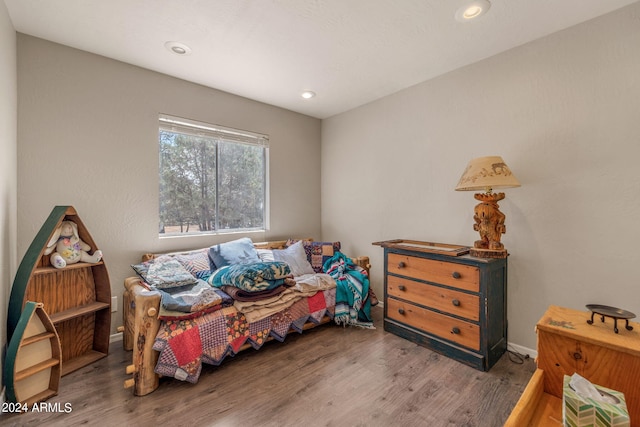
(212, 179)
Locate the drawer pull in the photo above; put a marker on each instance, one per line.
(456, 275)
(401, 288)
(401, 310)
(456, 302)
(401, 264)
(455, 330)
(577, 356)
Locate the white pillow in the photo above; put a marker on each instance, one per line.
(265, 255)
(296, 257)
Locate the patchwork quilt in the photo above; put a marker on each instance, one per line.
(187, 343)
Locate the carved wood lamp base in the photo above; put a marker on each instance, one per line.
(488, 253)
(489, 221)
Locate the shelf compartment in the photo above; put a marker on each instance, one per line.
(49, 270)
(78, 311)
(32, 370)
(83, 360)
(37, 338)
(43, 395)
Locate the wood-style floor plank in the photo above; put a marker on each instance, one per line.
(329, 376)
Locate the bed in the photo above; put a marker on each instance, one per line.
(233, 307)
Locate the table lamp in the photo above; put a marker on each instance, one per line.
(486, 174)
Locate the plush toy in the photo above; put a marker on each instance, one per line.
(69, 248)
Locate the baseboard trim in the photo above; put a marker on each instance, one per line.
(115, 337)
(525, 351)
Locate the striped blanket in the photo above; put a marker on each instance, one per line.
(353, 306)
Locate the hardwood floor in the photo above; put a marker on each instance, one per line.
(329, 376)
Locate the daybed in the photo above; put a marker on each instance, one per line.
(171, 343)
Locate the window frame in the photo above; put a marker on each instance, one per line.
(179, 125)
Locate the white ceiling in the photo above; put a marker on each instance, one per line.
(350, 52)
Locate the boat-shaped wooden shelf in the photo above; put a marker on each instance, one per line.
(77, 297)
(33, 362)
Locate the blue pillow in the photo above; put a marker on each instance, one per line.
(239, 251)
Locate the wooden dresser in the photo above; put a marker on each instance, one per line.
(568, 344)
(455, 305)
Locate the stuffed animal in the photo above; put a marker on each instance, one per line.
(69, 248)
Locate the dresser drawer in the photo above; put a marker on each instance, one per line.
(449, 328)
(451, 274)
(442, 299)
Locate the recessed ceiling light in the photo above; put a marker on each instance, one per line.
(308, 94)
(178, 48)
(472, 10)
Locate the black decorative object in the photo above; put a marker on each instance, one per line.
(613, 312)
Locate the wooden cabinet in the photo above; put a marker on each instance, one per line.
(568, 344)
(76, 297)
(455, 305)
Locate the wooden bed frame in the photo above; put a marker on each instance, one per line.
(141, 325)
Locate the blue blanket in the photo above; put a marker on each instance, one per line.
(258, 276)
(353, 306)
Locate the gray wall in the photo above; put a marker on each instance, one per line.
(8, 167)
(88, 137)
(563, 113)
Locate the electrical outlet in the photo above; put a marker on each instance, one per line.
(114, 304)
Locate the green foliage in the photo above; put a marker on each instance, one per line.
(210, 184)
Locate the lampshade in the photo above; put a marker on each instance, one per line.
(486, 173)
